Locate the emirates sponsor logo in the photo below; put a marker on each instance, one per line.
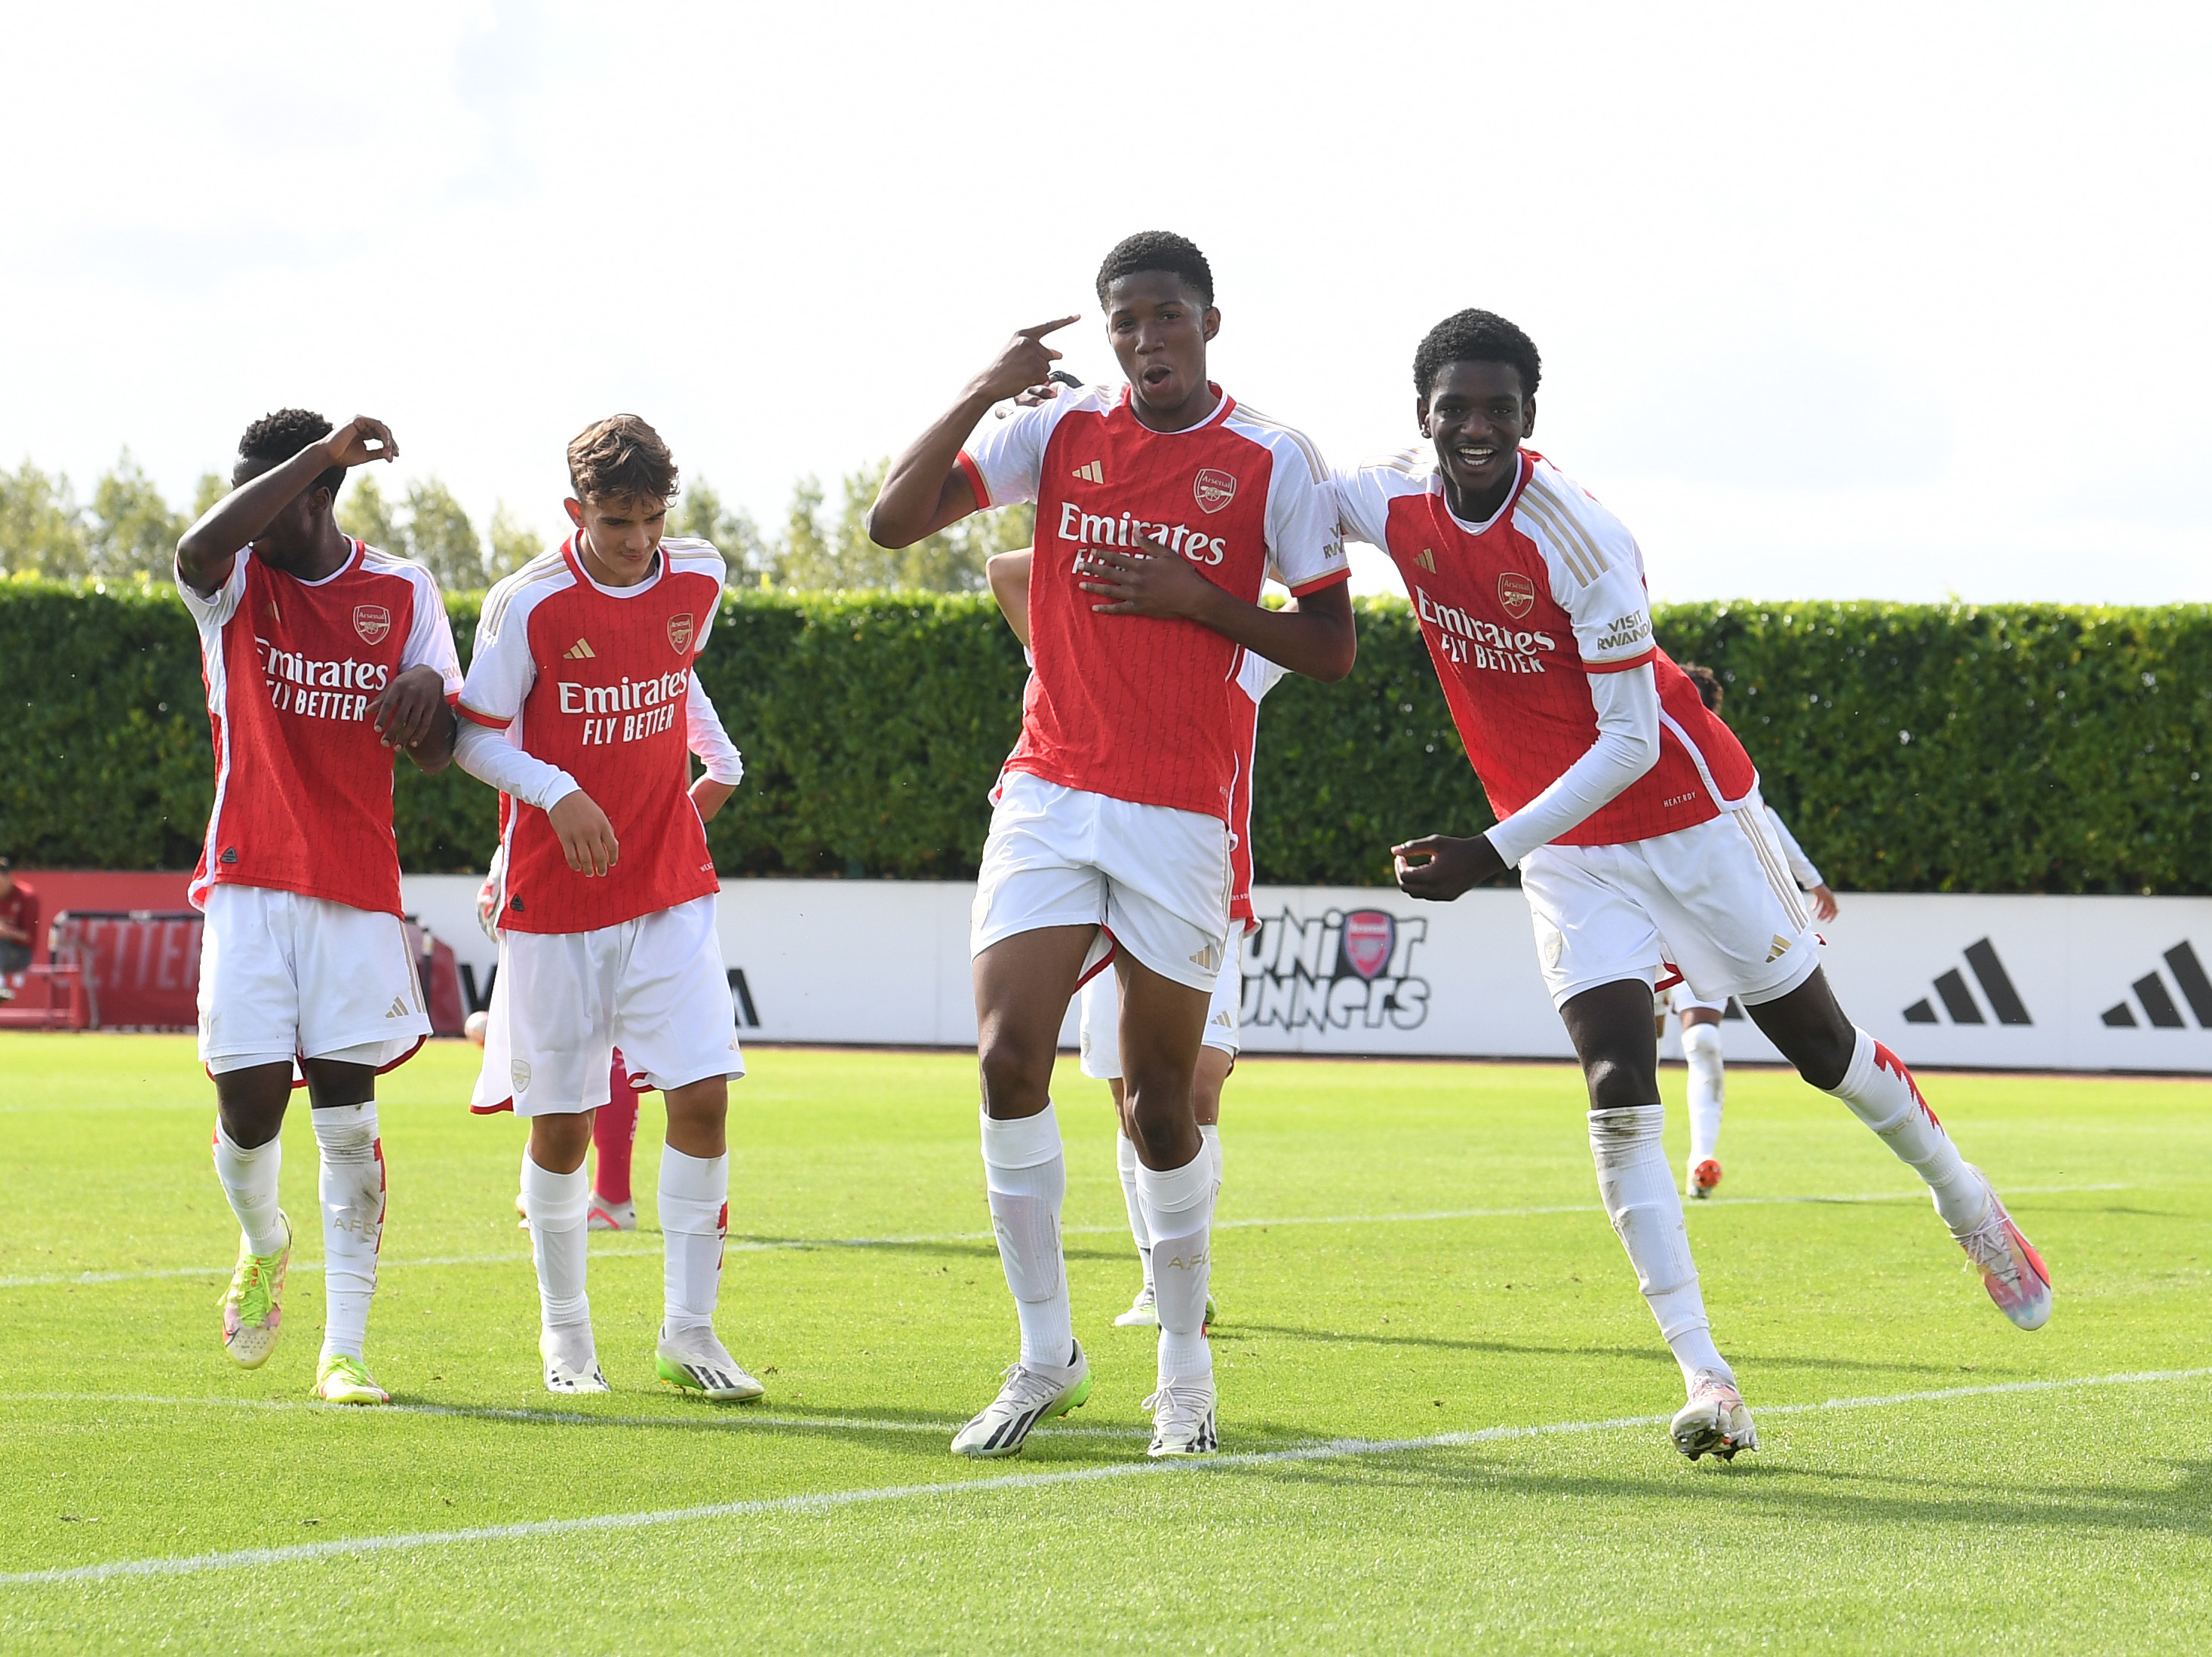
(371, 622)
(1459, 638)
(1213, 489)
(1516, 592)
(679, 633)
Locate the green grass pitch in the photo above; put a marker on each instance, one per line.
(1441, 1392)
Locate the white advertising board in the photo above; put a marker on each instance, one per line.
(2022, 983)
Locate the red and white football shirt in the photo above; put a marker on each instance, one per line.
(1136, 708)
(1515, 612)
(593, 680)
(1256, 678)
(302, 781)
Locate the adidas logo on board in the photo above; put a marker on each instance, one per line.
(1959, 1001)
(582, 651)
(1093, 472)
(2157, 1005)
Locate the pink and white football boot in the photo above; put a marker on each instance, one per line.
(2011, 1269)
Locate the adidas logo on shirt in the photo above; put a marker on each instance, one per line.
(1094, 472)
(582, 651)
(1426, 560)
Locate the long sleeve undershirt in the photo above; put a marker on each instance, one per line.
(1802, 869)
(1627, 746)
(491, 757)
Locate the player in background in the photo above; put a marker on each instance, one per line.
(1161, 508)
(1700, 1019)
(1100, 1025)
(322, 657)
(1625, 803)
(582, 707)
(614, 1124)
(19, 928)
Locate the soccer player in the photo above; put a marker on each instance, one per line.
(580, 707)
(1100, 999)
(1623, 801)
(19, 927)
(322, 657)
(1700, 1019)
(1161, 508)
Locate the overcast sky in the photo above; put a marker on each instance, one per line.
(1870, 302)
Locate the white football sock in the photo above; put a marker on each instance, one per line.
(1883, 1094)
(557, 1246)
(1639, 1192)
(1026, 1175)
(1179, 1214)
(352, 1187)
(1701, 1051)
(1125, 1163)
(249, 1179)
(695, 1213)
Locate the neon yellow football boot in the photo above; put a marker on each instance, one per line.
(340, 1379)
(253, 1305)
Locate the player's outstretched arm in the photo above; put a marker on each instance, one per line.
(1008, 574)
(1315, 636)
(925, 490)
(206, 550)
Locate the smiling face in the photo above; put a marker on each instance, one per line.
(1477, 415)
(1159, 329)
(620, 535)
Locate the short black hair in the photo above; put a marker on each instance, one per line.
(1710, 689)
(275, 438)
(1476, 336)
(1158, 249)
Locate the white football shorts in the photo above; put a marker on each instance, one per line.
(1682, 999)
(1156, 878)
(285, 975)
(1100, 1001)
(654, 987)
(1715, 901)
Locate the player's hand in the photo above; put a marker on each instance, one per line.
(404, 712)
(361, 440)
(1023, 363)
(710, 797)
(1030, 397)
(1824, 903)
(1439, 867)
(1155, 582)
(587, 838)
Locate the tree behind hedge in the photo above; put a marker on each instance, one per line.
(1913, 748)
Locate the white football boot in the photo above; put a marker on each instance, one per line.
(571, 1365)
(1715, 1422)
(1182, 1417)
(2011, 1269)
(1031, 1393)
(697, 1361)
(601, 1215)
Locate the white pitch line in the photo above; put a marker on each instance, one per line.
(802, 1244)
(828, 1501)
(720, 1421)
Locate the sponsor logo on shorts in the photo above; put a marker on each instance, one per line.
(371, 622)
(1213, 489)
(1339, 970)
(1516, 592)
(519, 1072)
(679, 632)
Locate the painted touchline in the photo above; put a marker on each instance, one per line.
(801, 1244)
(1335, 1449)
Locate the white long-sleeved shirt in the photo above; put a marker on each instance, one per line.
(491, 755)
(1627, 746)
(1801, 869)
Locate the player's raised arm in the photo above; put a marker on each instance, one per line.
(206, 550)
(926, 487)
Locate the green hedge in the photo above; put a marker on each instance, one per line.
(1913, 748)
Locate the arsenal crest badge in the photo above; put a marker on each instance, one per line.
(679, 632)
(1516, 592)
(371, 622)
(1368, 935)
(1215, 489)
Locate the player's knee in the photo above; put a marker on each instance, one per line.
(1014, 1067)
(1823, 1057)
(1614, 1083)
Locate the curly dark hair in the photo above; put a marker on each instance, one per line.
(275, 438)
(1158, 249)
(621, 456)
(1710, 689)
(1476, 336)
